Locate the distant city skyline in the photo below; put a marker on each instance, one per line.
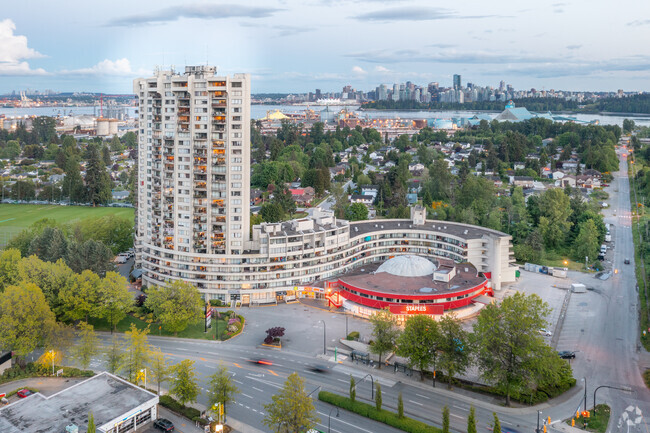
(297, 46)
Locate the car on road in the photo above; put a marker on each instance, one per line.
(545, 332)
(566, 354)
(317, 368)
(24, 393)
(626, 261)
(164, 424)
(260, 361)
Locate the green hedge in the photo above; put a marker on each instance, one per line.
(215, 302)
(175, 406)
(33, 369)
(369, 411)
(354, 335)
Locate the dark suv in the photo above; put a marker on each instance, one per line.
(566, 354)
(164, 424)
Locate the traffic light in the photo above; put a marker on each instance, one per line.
(544, 428)
(577, 414)
(573, 422)
(548, 420)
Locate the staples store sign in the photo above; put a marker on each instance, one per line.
(416, 309)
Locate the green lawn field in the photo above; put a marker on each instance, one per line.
(16, 217)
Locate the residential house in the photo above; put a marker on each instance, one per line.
(372, 190)
(568, 180)
(519, 165)
(368, 200)
(303, 196)
(416, 169)
(256, 196)
(522, 181)
(586, 181)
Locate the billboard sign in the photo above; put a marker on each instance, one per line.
(416, 309)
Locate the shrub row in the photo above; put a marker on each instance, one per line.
(33, 369)
(175, 406)
(354, 335)
(369, 411)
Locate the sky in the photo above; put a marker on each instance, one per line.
(301, 45)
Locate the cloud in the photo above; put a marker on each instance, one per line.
(580, 68)
(358, 70)
(573, 47)
(638, 23)
(119, 67)
(14, 51)
(195, 10)
(416, 14)
(451, 56)
(382, 69)
(283, 30)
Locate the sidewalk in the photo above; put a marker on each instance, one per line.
(494, 404)
(183, 425)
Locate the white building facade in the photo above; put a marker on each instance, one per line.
(192, 218)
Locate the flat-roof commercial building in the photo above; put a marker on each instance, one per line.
(117, 407)
(192, 218)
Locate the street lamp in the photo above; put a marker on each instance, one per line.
(372, 388)
(585, 379)
(324, 337)
(52, 355)
(329, 418)
(610, 387)
(539, 412)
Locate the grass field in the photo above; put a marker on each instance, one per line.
(16, 217)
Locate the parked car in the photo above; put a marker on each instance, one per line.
(164, 424)
(566, 354)
(24, 393)
(626, 261)
(545, 332)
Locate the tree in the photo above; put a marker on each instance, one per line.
(445, 419)
(273, 333)
(116, 144)
(454, 347)
(87, 345)
(291, 410)
(496, 426)
(384, 333)
(49, 246)
(79, 299)
(400, 405)
(628, 126)
(98, 182)
(353, 389)
(51, 278)
(356, 212)
(176, 305)
(419, 342)
(221, 388)
(158, 366)
(136, 351)
(91, 424)
(184, 384)
(509, 349)
(554, 216)
(586, 243)
(282, 197)
(23, 190)
(27, 320)
(106, 156)
(271, 212)
(73, 186)
(340, 200)
(114, 232)
(114, 299)
(377, 396)
(113, 355)
(44, 127)
(9, 271)
(471, 420)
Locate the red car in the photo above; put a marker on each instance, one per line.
(24, 393)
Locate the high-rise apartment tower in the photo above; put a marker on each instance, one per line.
(194, 169)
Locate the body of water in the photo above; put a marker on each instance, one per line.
(260, 111)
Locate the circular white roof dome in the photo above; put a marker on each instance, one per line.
(407, 266)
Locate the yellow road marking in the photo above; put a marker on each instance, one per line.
(237, 365)
(202, 359)
(272, 372)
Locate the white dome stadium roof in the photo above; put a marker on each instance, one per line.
(407, 266)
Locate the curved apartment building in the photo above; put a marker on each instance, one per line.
(192, 218)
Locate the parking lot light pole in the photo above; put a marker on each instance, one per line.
(585, 379)
(324, 337)
(539, 412)
(329, 418)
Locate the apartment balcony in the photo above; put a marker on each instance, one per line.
(169, 167)
(201, 160)
(218, 103)
(216, 84)
(200, 185)
(218, 169)
(219, 120)
(218, 203)
(200, 194)
(201, 145)
(201, 136)
(198, 177)
(218, 151)
(218, 228)
(218, 219)
(219, 162)
(218, 128)
(200, 169)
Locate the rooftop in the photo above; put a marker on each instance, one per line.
(371, 278)
(105, 395)
(462, 231)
